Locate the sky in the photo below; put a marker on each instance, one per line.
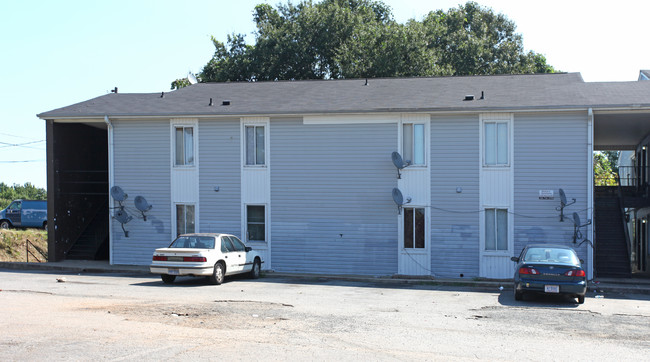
(56, 53)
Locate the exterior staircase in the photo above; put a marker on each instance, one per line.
(93, 240)
(611, 253)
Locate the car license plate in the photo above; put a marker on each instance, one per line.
(172, 271)
(551, 288)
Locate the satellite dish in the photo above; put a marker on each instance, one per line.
(192, 78)
(122, 216)
(142, 205)
(563, 204)
(576, 219)
(398, 197)
(398, 162)
(118, 194)
(562, 197)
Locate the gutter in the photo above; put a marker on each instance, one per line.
(111, 181)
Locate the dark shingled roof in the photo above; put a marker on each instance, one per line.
(502, 92)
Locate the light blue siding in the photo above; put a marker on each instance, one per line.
(550, 153)
(219, 157)
(332, 209)
(142, 167)
(454, 216)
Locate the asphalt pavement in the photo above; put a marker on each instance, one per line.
(596, 287)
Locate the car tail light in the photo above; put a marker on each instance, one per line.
(528, 270)
(196, 259)
(575, 273)
(159, 258)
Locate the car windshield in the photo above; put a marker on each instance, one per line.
(551, 255)
(193, 242)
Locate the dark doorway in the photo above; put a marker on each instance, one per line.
(77, 191)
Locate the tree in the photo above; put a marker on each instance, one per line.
(605, 168)
(359, 38)
(26, 191)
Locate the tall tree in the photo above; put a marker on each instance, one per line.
(26, 191)
(360, 38)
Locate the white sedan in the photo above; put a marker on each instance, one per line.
(209, 255)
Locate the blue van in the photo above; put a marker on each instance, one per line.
(24, 213)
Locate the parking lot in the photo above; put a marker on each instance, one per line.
(137, 317)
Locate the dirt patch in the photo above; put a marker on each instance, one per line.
(220, 314)
(13, 245)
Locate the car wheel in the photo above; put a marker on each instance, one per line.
(581, 299)
(519, 295)
(218, 273)
(4, 224)
(167, 279)
(255, 272)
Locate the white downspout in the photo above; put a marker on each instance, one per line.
(109, 126)
(590, 192)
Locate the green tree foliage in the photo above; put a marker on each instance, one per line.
(359, 38)
(605, 169)
(26, 191)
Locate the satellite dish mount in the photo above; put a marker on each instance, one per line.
(563, 204)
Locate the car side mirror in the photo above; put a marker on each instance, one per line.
(582, 261)
(515, 259)
(248, 248)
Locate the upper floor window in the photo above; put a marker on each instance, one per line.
(184, 146)
(496, 143)
(255, 145)
(413, 143)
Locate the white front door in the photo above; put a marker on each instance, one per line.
(414, 257)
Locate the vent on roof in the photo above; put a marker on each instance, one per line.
(226, 102)
(162, 94)
(211, 104)
(114, 90)
(469, 97)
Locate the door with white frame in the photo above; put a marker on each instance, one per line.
(414, 249)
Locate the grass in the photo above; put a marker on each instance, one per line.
(12, 244)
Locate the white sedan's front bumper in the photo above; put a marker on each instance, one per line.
(181, 270)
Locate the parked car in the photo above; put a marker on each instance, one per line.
(549, 269)
(214, 256)
(24, 213)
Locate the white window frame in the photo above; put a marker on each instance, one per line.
(508, 140)
(184, 204)
(425, 141)
(496, 229)
(175, 145)
(266, 223)
(244, 142)
(403, 221)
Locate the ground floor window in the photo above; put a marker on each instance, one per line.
(255, 223)
(496, 229)
(184, 219)
(413, 228)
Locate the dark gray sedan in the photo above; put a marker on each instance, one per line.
(549, 269)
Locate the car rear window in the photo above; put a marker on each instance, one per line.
(551, 255)
(193, 242)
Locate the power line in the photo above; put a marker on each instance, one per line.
(23, 161)
(13, 135)
(24, 145)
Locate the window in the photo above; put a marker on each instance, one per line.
(496, 143)
(496, 229)
(255, 145)
(237, 244)
(255, 223)
(226, 245)
(413, 228)
(15, 206)
(184, 219)
(413, 143)
(184, 146)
